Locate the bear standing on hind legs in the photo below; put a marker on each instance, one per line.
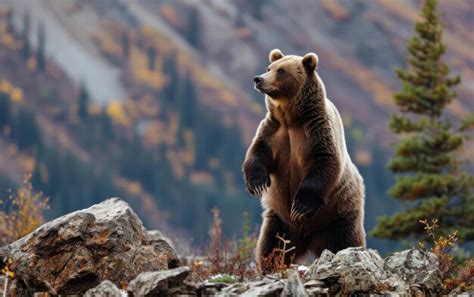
(312, 193)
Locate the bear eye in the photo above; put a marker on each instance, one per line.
(280, 71)
(268, 69)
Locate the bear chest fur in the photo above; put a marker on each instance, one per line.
(289, 146)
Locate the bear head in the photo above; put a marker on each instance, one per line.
(286, 75)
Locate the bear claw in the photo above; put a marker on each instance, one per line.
(300, 212)
(258, 186)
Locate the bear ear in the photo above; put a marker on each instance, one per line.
(310, 61)
(275, 54)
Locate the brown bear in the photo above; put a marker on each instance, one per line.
(312, 193)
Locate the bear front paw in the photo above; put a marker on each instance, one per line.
(256, 176)
(305, 204)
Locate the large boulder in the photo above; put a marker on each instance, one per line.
(416, 268)
(80, 250)
(351, 270)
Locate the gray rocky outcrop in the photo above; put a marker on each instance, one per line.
(78, 251)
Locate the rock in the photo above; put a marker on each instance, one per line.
(294, 286)
(416, 268)
(105, 289)
(351, 270)
(240, 288)
(325, 258)
(268, 290)
(76, 252)
(154, 283)
(314, 283)
(394, 284)
(317, 291)
(164, 246)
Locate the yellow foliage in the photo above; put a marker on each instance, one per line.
(148, 106)
(10, 42)
(23, 214)
(16, 95)
(6, 269)
(108, 45)
(139, 66)
(5, 86)
(117, 113)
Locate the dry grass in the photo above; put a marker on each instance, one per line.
(234, 260)
(224, 257)
(276, 261)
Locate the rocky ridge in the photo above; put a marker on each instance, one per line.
(105, 250)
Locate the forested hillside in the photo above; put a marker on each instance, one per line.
(152, 100)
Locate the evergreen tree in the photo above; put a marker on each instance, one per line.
(151, 53)
(4, 111)
(26, 132)
(40, 51)
(193, 30)
(10, 25)
(429, 177)
(256, 7)
(171, 70)
(125, 44)
(188, 103)
(25, 36)
(83, 102)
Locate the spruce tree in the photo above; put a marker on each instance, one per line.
(40, 51)
(83, 103)
(428, 171)
(25, 36)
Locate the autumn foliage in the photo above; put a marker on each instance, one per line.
(21, 212)
(455, 272)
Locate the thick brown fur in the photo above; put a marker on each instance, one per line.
(312, 193)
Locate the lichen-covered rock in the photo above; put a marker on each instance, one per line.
(415, 267)
(105, 289)
(268, 290)
(76, 252)
(394, 284)
(158, 283)
(325, 258)
(164, 247)
(294, 286)
(351, 270)
(240, 288)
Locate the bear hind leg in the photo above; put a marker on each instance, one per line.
(340, 236)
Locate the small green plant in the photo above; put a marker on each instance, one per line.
(223, 278)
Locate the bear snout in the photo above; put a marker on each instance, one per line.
(257, 80)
